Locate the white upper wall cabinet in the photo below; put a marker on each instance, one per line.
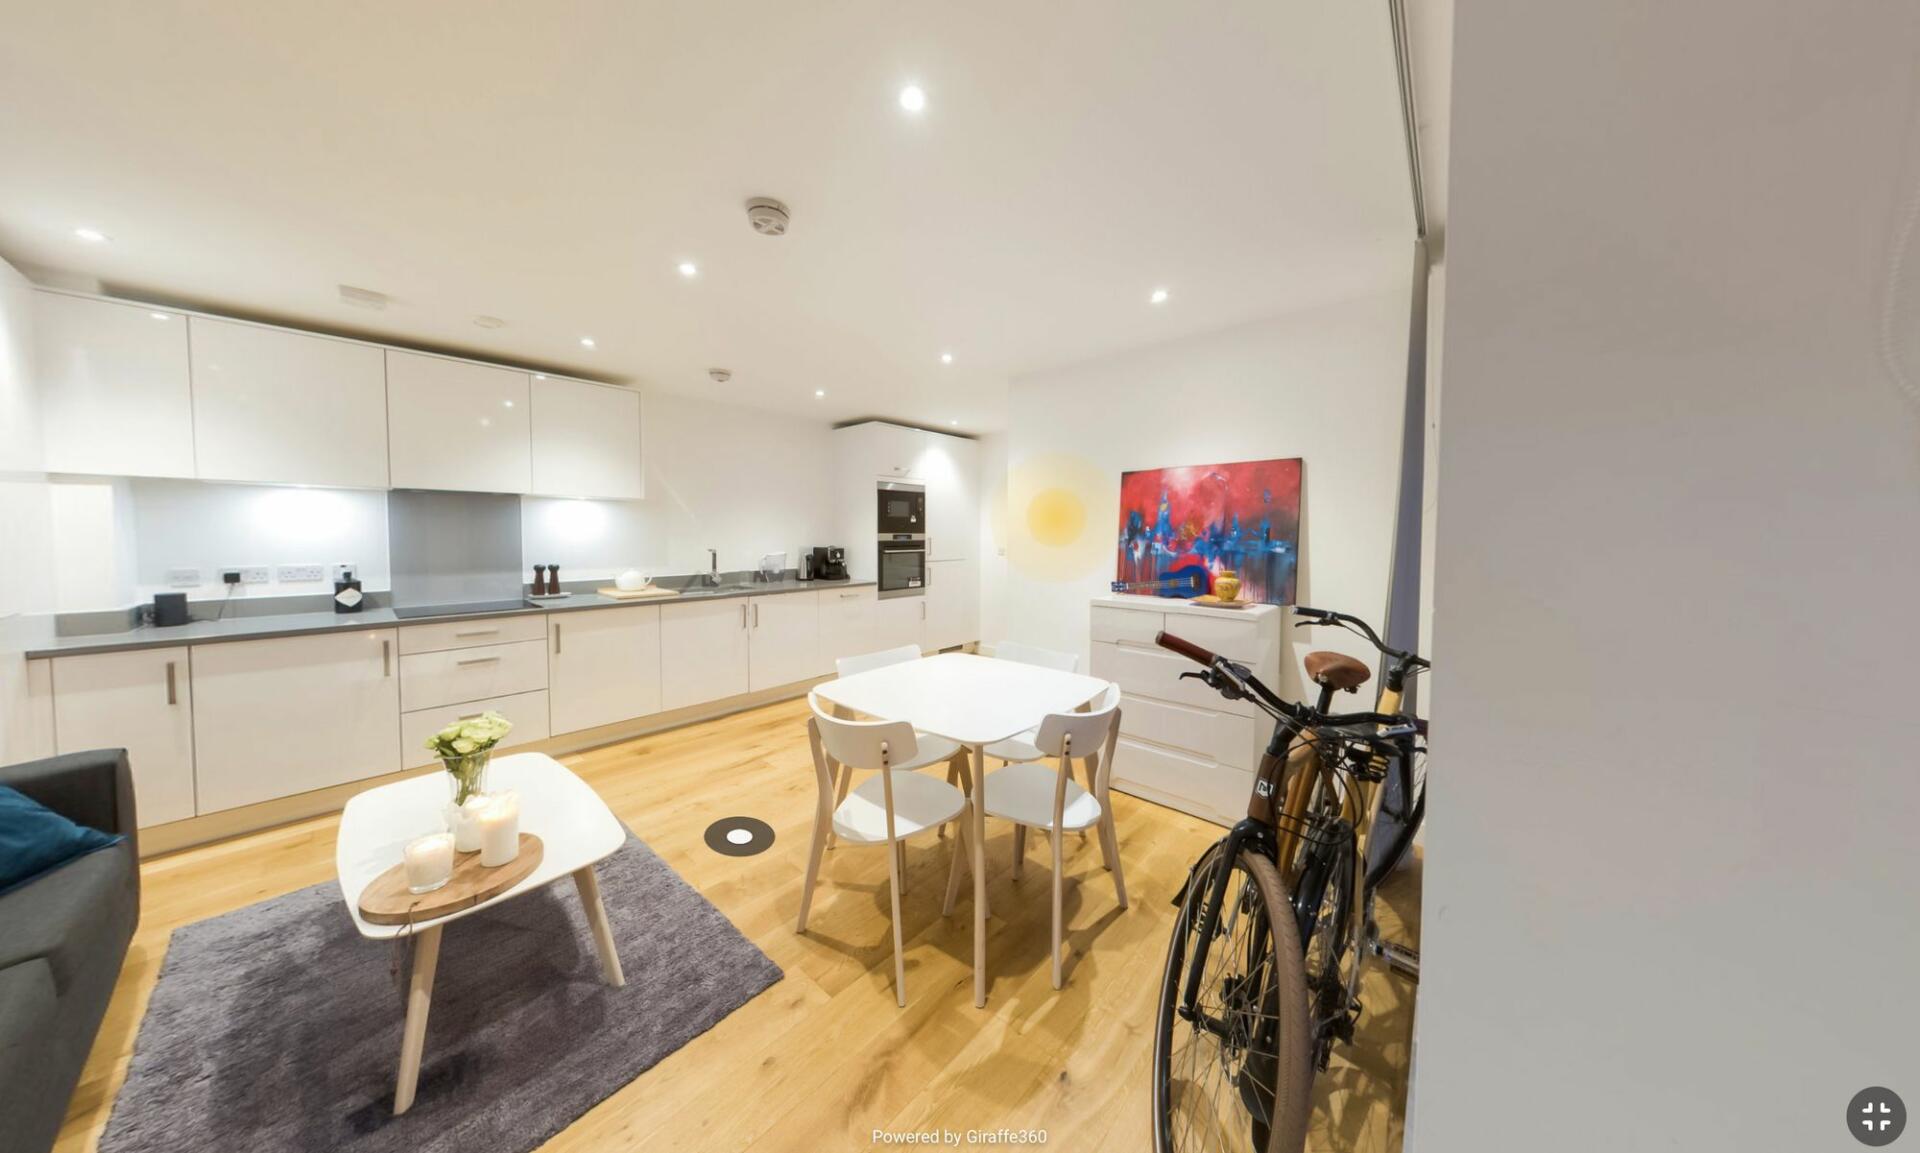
(114, 392)
(457, 426)
(950, 467)
(586, 439)
(283, 407)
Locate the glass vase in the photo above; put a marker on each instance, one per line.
(467, 776)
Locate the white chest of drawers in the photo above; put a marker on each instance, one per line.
(1181, 744)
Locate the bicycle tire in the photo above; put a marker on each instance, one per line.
(1392, 835)
(1280, 1050)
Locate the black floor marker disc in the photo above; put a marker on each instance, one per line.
(739, 836)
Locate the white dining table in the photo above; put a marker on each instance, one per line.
(974, 701)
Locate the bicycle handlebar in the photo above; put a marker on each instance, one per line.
(1355, 624)
(1185, 648)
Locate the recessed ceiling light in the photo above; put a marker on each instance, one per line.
(586, 342)
(818, 393)
(946, 358)
(91, 235)
(1159, 296)
(507, 403)
(539, 376)
(954, 423)
(159, 316)
(912, 98)
(689, 269)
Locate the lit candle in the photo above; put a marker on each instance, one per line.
(464, 821)
(429, 862)
(500, 830)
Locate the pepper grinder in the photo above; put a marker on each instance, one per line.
(553, 580)
(539, 580)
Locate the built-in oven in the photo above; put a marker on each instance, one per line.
(903, 509)
(903, 568)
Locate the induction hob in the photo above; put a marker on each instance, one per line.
(472, 608)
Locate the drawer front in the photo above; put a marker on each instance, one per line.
(1238, 640)
(429, 680)
(1204, 788)
(1156, 673)
(1114, 625)
(527, 711)
(1229, 738)
(472, 634)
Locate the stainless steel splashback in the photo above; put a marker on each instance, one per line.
(454, 547)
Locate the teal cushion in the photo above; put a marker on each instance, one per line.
(34, 839)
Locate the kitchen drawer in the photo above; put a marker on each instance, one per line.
(1115, 625)
(527, 711)
(429, 680)
(1235, 639)
(1228, 738)
(1205, 788)
(1156, 673)
(469, 634)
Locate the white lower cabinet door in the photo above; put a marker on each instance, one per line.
(142, 702)
(527, 712)
(703, 652)
(603, 666)
(953, 604)
(289, 715)
(846, 624)
(785, 639)
(899, 621)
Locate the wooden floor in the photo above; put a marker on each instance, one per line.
(824, 1057)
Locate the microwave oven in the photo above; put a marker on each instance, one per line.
(902, 509)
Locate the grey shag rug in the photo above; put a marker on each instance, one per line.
(277, 1027)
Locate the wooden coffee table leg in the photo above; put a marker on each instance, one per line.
(426, 958)
(589, 886)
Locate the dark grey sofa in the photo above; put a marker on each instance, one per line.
(62, 939)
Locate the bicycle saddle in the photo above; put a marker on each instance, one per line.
(1337, 670)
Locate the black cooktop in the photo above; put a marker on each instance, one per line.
(412, 611)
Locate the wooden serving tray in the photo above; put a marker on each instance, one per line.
(1214, 602)
(387, 902)
(651, 592)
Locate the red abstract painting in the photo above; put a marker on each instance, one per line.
(1181, 527)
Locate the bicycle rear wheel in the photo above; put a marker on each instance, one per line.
(1240, 1077)
(1402, 808)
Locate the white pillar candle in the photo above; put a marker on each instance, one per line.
(500, 830)
(464, 822)
(429, 862)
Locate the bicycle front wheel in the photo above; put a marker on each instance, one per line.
(1239, 1075)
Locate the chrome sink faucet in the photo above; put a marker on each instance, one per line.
(713, 568)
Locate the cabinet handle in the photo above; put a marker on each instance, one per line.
(923, 610)
(470, 716)
(477, 633)
(477, 661)
(743, 614)
(848, 596)
(756, 616)
(173, 695)
(556, 638)
(386, 658)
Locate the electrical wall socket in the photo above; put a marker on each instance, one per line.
(250, 574)
(300, 572)
(183, 578)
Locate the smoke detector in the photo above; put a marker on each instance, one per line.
(720, 375)
(768, 216)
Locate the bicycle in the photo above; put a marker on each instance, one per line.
(1263, 971)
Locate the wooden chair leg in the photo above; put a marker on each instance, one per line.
(1087, 764)
(1110, 851)
(822, 830)
(845, 776)
(953, 870)
(900, 856)
(1058, 905)
(953, 778)
(899, 952)
(1019, 850)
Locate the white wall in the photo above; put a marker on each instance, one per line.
(993, 537)
(742, 481)
(1326, 385)
(26, 577)
(1671, 878)
(209, 527)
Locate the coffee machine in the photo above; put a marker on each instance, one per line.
(829, 563)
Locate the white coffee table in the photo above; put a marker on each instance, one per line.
(574, 824)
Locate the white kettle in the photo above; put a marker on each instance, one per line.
(633, 580)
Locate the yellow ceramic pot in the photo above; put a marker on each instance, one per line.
(1226, 586)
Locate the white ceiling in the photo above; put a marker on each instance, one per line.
(550, 164)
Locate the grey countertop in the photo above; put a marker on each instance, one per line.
(249, 628)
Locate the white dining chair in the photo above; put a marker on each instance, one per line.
(949, 751)
(894, 804)
(1035, 655)
(1021, 749)
(1033, 796)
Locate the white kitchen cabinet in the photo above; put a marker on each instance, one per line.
(899, 621)
(586, 439)
(449, 676)
(949, 467)
(953, 604)
(885, 450)
(140, 701)
(784, 638)
(526, 711)
(704, 651)
(846, 624)
(291, 714)
(113, 387)
(457, 426)
(284, 407)
(604, 666)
